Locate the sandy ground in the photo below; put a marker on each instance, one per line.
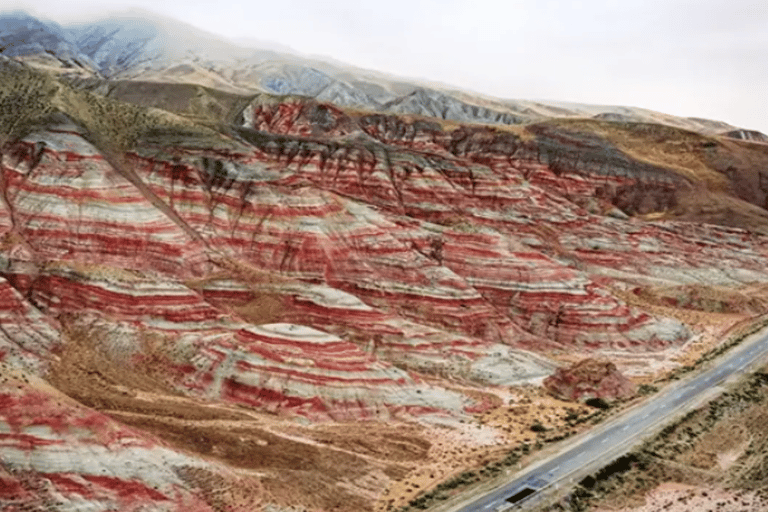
(370, 465)
(518, 408)
(685, 498)
(486, 439)
(452, 451)
(714, 461)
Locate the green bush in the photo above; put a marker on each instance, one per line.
(598, 403)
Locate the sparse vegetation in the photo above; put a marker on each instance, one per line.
(30, 98)
(721, 349)
(647, 389)
(262, 207)
(684, 452)
(25, 100)
(454, 485)
(598, 403)
(203, 105)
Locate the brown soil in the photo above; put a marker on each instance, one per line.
(476, 445)
(264, 309)
(331, 467)
(689, 498)
(724, 180)
(247, 445)
(528, 406)
(224, 492)
(202, 104)
(713, 459)
(408, 443)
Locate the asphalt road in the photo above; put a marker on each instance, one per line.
(617, 436)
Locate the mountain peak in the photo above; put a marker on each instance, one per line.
(22, 34)
(141, 45)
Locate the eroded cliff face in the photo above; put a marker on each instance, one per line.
(590, 379)
(218, 307)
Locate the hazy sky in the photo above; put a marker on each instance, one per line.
(702, 58)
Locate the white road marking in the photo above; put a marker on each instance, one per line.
(698, 385)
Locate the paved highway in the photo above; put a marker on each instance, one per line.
(618, 435)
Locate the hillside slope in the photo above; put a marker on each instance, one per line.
(145, 47)
(256, 302)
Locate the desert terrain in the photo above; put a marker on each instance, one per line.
(219, 296)
(711, 459)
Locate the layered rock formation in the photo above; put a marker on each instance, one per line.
(588, 379)
(59, 455)
(229, 298)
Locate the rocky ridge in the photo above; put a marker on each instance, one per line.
(142, 46)
(305, 266)
(589, 379)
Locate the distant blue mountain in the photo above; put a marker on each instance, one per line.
(22, 34)
(143, 46)
(116, 45)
